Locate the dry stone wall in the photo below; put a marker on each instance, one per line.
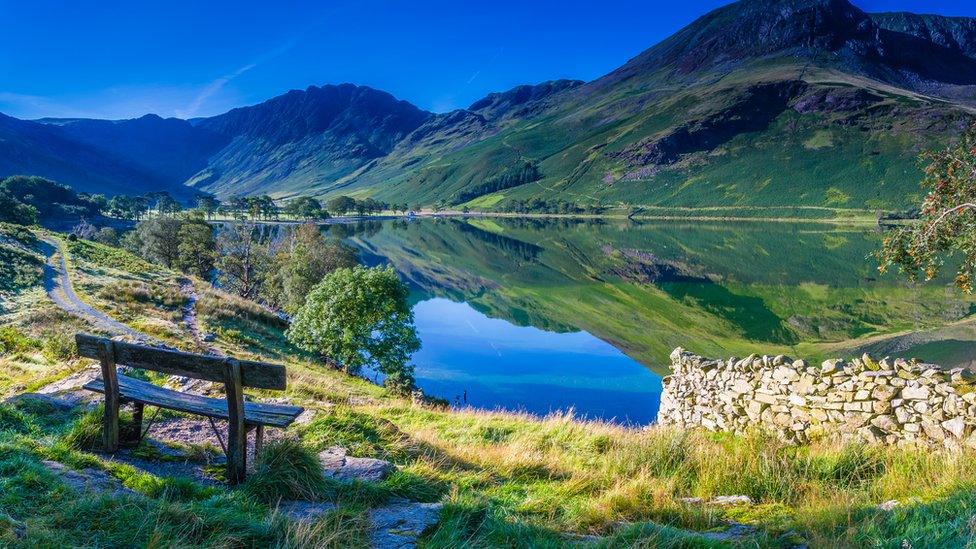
(894, 402)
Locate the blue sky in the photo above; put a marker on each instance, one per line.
(183, 58)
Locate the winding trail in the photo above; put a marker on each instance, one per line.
(57, 284)
(189, 315)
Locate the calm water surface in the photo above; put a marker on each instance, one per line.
(551, 316)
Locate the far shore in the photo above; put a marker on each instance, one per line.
(851, 218)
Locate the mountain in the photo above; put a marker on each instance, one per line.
(170, 148)
(43, 149)
(293, 143)
(760, 103)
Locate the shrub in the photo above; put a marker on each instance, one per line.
(286, 469)
(12, 341)
(59, 347)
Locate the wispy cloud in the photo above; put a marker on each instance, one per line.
(17, 103)
(215, 86)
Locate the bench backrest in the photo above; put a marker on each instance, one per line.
(257, 375)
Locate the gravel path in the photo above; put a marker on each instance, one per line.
(189, 312)
(59, 289)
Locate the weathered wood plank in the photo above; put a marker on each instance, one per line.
(236, 431)
(110, 423)
(258, 375)
(136, 390)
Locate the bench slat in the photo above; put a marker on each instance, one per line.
(255, 413)
(257, 375)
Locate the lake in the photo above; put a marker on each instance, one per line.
(543, 316)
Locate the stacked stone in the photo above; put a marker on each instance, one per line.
(893, 402)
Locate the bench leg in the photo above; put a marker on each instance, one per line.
(258, 439)
(134, 434)
(110, 433)
(236, 430)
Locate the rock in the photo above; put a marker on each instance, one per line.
(304, 511)
(54, 402)
(88, 480)
(208, 337)
(399, 524)
(830, 366)
(888, 505)
(336, 464)
(305, 417)
(956, 426)
(915, 393)
(886, 423)
(731, 500)
(735, 531)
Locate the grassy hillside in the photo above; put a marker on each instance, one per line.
(507, 480)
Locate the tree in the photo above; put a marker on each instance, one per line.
(167, 205)
(208, 204)
(948, 219)
(303, 262)
(341, 204)
(306, 208)
(360, 318)
(197, 247)
(107, 236)
(243, 260)
(157, 239)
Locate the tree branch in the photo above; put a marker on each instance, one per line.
(965, 206)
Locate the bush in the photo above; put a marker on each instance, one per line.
(286, 469)
(59, 347)
(12, 341)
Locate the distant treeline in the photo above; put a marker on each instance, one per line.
(255, 208)
(539, 205)
(511, 177)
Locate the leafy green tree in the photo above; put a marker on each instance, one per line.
(341, 204)
(948, 219)
(305, 259)
(197, 247)
(360, 317)
(306, 208)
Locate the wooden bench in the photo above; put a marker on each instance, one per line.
(235, 374)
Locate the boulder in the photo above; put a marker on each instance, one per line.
(399, 524)
(338, 465)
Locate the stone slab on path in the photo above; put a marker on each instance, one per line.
(399, 524)
(336, 464)
(304, 511)
(88, 480)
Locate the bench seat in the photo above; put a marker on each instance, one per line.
(255, 413)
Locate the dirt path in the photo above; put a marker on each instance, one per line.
(189, 313)
(59, 289)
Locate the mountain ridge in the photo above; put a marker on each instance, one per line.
(729, 102)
